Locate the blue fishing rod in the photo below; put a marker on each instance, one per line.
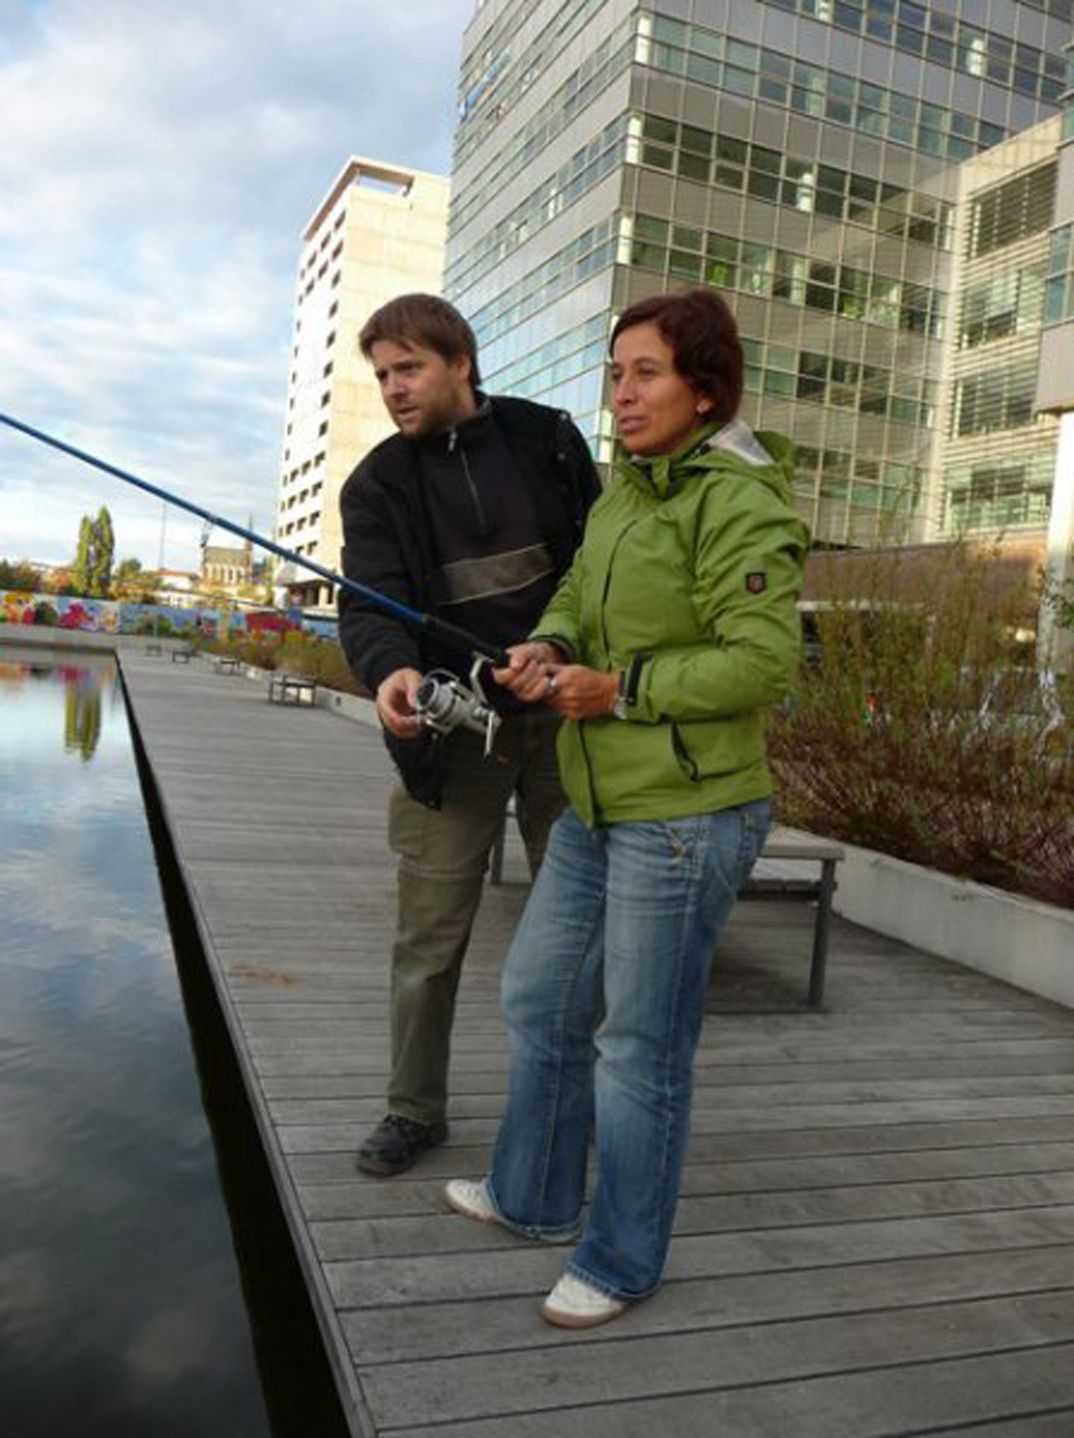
(449, 634)
(443, 701)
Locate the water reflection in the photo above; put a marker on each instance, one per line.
(82, 714)
(85, 686)
(120, 1304)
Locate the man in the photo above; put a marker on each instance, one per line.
(472, 512)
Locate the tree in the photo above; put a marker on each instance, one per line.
(19, 574)
(105, 550)
(129, 571)
(133, 583)
(93, 562)
(1059, 597)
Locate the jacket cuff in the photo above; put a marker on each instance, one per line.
(559, 640)
(630, 677)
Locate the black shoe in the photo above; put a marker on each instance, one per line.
(397, 1142)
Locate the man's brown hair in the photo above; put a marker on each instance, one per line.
(425, 320)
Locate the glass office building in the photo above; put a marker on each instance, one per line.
(994, 453)
(803, 156)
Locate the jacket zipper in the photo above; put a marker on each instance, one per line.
(604, 637)
(687, 763)
(608, 584)
(482, 522)
(589, 772)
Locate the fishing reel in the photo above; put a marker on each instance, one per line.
(444, 702)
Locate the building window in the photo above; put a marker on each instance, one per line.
(1005, 305)
(996, 495)
(802, 185)
(1059, 285)
(709, 58)
(731, 264)
(995, 399)
(1013, 210)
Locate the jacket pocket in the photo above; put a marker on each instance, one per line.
(711, 748)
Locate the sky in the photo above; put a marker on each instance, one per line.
(159, 165)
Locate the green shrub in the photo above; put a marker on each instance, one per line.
(292, 653)
(893, 740)
(154, 624)
(319, 659)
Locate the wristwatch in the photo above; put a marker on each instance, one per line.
(620, 704)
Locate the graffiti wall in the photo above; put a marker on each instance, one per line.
(106, 616)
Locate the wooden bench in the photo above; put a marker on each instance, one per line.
(181, 654)
(153, 647)
(792, 846)
(290, 689)
(782, 848)
(226, 664)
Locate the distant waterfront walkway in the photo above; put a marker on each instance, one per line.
(877, 1233)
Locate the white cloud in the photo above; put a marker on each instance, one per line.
(158, 168)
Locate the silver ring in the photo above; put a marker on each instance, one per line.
(550, 683)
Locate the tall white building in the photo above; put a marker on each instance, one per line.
(379, 232)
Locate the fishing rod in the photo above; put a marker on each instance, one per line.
(443, 702)
(450, 634)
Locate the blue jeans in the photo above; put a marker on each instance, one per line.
(603, 995)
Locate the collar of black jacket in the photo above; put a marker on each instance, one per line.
(469, 427)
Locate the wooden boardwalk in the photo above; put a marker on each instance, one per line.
(877, 1230)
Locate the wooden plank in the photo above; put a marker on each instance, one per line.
(352, 1197)
(783, 842)
(344, 1238)
(916, 1399)
(464, 1388)
(713, 1304)
(499, 1265)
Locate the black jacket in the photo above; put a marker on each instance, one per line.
(389, 547)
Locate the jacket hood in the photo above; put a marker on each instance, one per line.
(717, 447)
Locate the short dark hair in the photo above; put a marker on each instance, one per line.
(701, 331)
(425, 320)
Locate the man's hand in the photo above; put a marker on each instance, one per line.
(396, 699)
(528, 669)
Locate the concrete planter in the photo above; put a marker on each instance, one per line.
(1021, 941)
(44, 636)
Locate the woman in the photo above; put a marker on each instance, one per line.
(673, 630)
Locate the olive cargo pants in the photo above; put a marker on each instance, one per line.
(443, 856)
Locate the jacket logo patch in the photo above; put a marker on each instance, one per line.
(757, 582)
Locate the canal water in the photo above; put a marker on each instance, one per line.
(147, 1285)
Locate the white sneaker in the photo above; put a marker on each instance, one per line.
(470, 1197)
(573, 1303)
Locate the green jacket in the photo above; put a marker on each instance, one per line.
(686, 582)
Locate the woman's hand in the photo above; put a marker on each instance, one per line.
(580, 693)
(528, 670)
(537, 673)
